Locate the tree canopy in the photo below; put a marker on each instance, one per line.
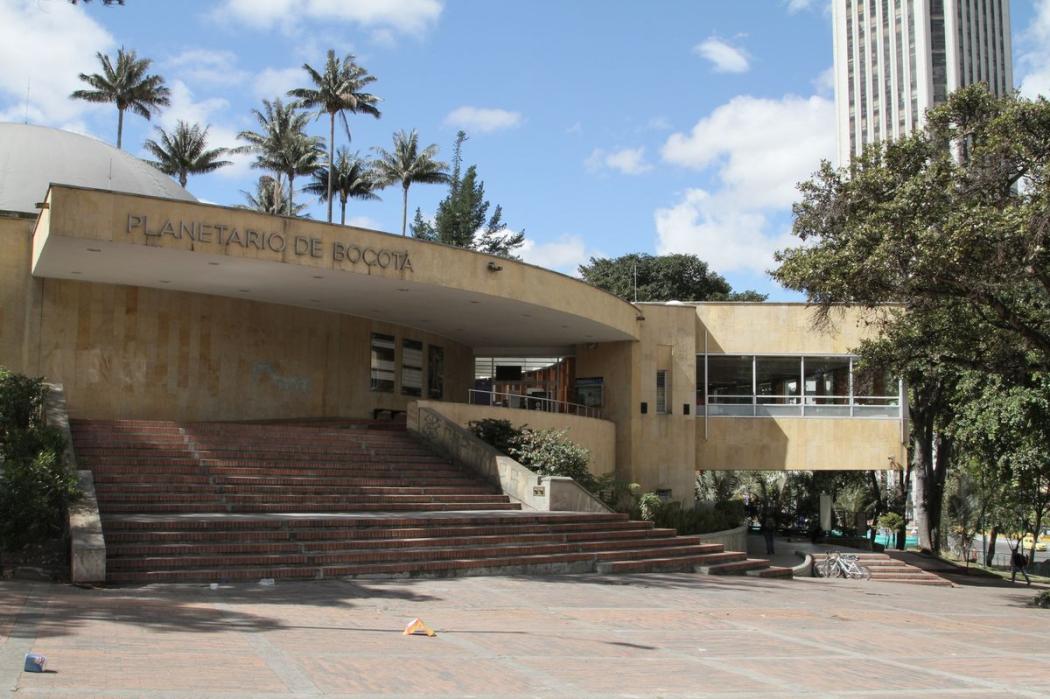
(462, 217)
(944, 235)
(662, 278)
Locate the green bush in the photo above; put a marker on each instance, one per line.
(619, 495)
(36, 486)
(551, 453)
(1042, 600)
(497, 433)
(891, 521)
(702, 519)
(547, 452)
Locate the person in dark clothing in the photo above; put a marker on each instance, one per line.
(769, 530)
(1018, 563)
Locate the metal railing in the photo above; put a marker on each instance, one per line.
(497, 399)
(751, 405)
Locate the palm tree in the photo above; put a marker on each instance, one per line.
(349, 178)
(281, 144)
(407, 164)
(269, 198)
(127, 85)
(336, 91)
(300, 155)
(185, 152)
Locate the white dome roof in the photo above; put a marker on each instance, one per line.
(32, 157)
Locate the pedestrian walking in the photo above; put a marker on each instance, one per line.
(769, 530)
(1018, 564)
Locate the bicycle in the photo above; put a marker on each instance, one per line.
(842, 565)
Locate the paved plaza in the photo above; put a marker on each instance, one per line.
(674, 635)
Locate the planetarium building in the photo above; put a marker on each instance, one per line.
(145, 304)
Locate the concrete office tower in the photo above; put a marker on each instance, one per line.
(894, 59)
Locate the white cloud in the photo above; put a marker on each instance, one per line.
(725, 57)
(762, 146)
(575, 129)
(628, 161)
(405, 16)
(43, 47)
(206, 66)
(824, 84)
(727, 236)
(276, 82)
(758, 149)
(565, 254)
(482, 119)
(1035, 60)
(795, 6)
(363, 222)
(206, 112)
(658, 123)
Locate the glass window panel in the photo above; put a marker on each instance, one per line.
(435, 372)
(728, 378)
(382, 363)
(662, 390)
(778, 409)
(827, 381)
(747, 410)
(411, 367)
(777, 380)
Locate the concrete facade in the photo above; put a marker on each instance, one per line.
(166, 309)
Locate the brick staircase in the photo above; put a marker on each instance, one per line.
(884, 568)
(206, 502)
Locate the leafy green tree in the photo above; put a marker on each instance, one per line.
(661, 278)
(462, 216)
(959, 245)
(126, 85)
(407, 164)
(336, 91)
(1003, 428)
(351, 178)
(185, 152)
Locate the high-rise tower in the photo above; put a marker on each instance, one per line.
(894, 59)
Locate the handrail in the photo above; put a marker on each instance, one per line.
(526, 402)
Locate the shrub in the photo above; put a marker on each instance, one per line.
(36, 486)
(497, 433)
(619, 495)
(547, 452)
(550, 453)
(891, 521)
(1042, 600)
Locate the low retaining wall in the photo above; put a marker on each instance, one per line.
(593, 434)
(731, 539)
(87, 545)
(520, 484)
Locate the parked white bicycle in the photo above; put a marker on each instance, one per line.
(842, 565)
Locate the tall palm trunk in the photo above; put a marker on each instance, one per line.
(342, 214)
(291, 194)
(404, 209)
(183, 178)
(120, 125)
(331, 159)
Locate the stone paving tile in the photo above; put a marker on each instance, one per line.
(822, 675)
(416, 676)
(640, 636)
(96, 670)
(11, 603)
(643, 678)
(1022, 670)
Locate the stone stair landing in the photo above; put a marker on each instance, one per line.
(209, 502)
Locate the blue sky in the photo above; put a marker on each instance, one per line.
(602, 127)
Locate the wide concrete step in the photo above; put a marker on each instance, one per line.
(771, 572)
(383, 535)
(735, 567)
(658, 563)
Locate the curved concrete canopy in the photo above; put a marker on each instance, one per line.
(491, 304)
(32, 157)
